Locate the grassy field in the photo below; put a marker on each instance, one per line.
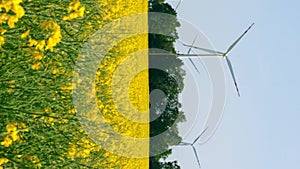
(40, 42)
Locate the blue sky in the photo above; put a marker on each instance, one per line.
(261, 128)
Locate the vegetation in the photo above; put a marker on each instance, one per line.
(170, 81)
(40, 42)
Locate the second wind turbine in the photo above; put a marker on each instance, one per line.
(223, 54)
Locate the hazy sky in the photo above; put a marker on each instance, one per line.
(261, 129)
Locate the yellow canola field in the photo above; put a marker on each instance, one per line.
(40, 42)
(126, 72)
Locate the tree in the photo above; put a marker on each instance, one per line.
(170, 82)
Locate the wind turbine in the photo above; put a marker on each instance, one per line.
(192, 145)
(225, 55)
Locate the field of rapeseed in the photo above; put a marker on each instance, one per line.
(40, 42)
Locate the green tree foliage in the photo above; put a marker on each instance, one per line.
(170, 81)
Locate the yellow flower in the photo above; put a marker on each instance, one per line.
(50, 120)
(72, 151)
(37, 55)
(65, 18)
(2, 40)
(70, 16)
(3, 18)
(6, 6)
(81, 11)
(2, 31)
(55, 71)
(12, 5)
(12, 20)
(11, 127)
(55, 36)
(36, 66)
(85, 153)
(25, 34)
(14, 135)
(72, 111)
(36, 161)
(6, 142)
(23, 127)
(48, 110)
(73, 6)
(69, 87)
(53, 40)
(10, 90)
(3, 161)
(40, 45)
(18, 10)
(32, 42)
(38, 165)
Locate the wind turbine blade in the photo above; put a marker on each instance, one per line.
(203, 49)
(232, 74)
(195, 152)
(194, 65)
(179, 55)
(184, 143)
(200, 135)
(235, 42)
(178, 5)
(189, 51)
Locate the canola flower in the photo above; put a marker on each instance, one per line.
(8, 7)
(37, 55)
(55, 36)
(75, 10)
(3, 161)
(36, 66)
(25, 34)
(13, 6)
(52, 41)
(13, 133)
(2, 40)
